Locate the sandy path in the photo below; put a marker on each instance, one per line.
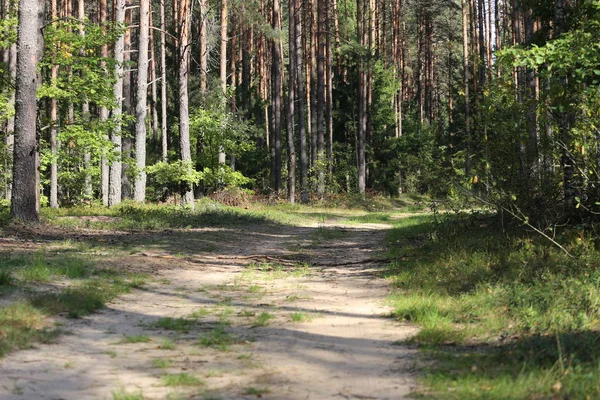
(326, 339)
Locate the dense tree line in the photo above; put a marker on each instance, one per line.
(145, 99)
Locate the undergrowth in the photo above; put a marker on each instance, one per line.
(505, 314)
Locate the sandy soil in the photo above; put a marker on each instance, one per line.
(345, 347)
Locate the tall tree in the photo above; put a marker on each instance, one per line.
(163, 81)
(25, 189)
(301, 109)
(184, 117)
(139, 193)
(103, 110)
(116, 168)
(291, 106)
(276, 98)
(54, 124)
(223, 63)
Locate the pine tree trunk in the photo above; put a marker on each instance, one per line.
(116, 169)
(163, 81)
(466, 86)
(25, 191)
(203, 39)
(276, 100)
(291, 106)
(184, 117)
(139, 192)
(103, 114)
(362, 103)
(10, 123)
(321, 55)
(54, 126)
(301, 110)
(223, 64)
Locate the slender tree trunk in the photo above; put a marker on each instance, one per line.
(153, 83)
(203, 39)
(10, 124)
(163, 80)
(103, 113)
(291, 106)
(184, 117)
(85, 110)
(276, 99)
(321, 55)
(54, 126)
(465, 25)
(223, 64)
(139, 192)
(116, 168)
(301, 110)
(126, 185)
(25, 192)
(362, 103)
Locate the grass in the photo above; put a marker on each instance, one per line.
(167, 344)
(122, 394)
(300, 317)
(86, 297)
(273, 271)
(135, 339)
(161, 363)
(262, 319)
(21, 325)
(503, 315)
(181, 379)
(257, 391)
(173, 324)
(219, 339)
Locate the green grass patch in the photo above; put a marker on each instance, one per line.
(257, 391)
(84, 298)
(167, 344)
(503, 315)
(300, 317)
(122, 394)
(273, 271)
(173, 324)
(262, 319)
(161, 363)
(182, 379)
(135, 339)
(219, 339)
(21, 325)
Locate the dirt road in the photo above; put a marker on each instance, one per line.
(276, 313)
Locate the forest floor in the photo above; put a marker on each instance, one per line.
(255, 310)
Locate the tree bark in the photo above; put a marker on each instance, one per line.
(139, 192)
(103, 113)
(321, 55)
(116, 168)
(54, 125)
(163, 80)
(301, 111)
(184, 117)
(223, 64)
(25, 191)
(291, 106)
(276, 99)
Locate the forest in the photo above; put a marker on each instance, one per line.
(284, 149)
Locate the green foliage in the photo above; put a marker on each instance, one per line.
(223, 176)
(176, 177)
